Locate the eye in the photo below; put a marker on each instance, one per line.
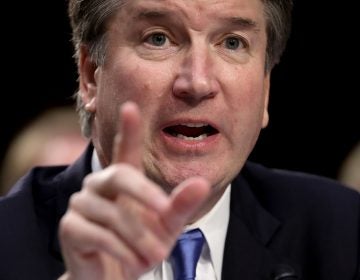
(157, 39)
(156, 43)
(233, 43)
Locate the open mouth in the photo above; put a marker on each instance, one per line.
(191, 132)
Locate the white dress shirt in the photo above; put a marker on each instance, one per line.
(214, 227)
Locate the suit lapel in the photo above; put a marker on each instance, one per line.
(69, 182)
(250, 229)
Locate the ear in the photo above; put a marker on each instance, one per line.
(265, 120)
(87, 81)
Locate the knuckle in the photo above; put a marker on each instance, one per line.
(139, 237)
(112, 174)
(111, 217)
(120, 169)
(75, 200)
(152, 248)
(88, 180)
(119, 177)
(157, 254)
(66, 225)
(161, 253)
(101, 240)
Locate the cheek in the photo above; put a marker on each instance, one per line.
(140, 83)
(247, 93)
(245, 98)
(145, 83)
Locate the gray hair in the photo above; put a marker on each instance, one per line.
(89, 17)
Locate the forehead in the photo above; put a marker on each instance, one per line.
(198, 12)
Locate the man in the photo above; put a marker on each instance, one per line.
(192, 80)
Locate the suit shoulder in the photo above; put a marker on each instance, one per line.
(319, 219)
(298, 189)
(35, 188)
(37, 179)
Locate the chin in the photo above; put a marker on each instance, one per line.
(170, 179)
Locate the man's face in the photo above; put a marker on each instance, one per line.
(196, 70)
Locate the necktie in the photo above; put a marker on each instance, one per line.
(186, 253)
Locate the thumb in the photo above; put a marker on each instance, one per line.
(186, 200)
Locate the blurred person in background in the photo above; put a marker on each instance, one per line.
(53, 138)
(350, 169)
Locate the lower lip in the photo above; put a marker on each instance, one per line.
(184, 146)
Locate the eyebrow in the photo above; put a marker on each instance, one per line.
(242, 23)
(153, 14)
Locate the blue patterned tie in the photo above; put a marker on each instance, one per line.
(186, 253)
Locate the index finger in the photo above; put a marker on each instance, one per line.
(128, 145)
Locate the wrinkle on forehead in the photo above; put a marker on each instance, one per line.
(198, 13)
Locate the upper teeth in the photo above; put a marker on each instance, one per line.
(194, 124)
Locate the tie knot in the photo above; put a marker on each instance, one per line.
(186, 253)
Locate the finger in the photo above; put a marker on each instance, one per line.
(187, 199)
(124, 218)
(121, 179)
(81, 241)
(128, 144)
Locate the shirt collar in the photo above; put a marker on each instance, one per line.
(214, 227)
(95, 162)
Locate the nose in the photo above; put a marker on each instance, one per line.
(195, 80)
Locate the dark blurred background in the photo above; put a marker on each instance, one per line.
(314, 105)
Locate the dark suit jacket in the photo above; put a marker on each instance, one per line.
(281, 223)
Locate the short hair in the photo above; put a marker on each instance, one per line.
(88, 20)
